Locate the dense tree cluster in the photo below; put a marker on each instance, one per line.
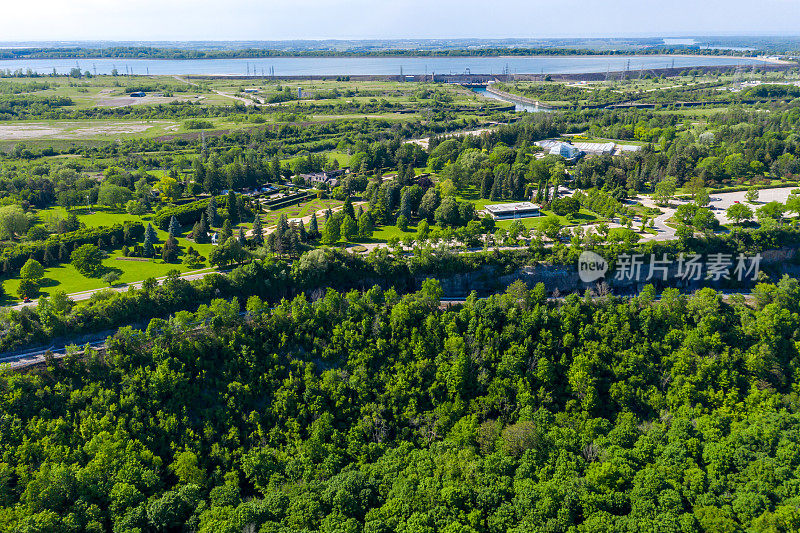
(375, 412)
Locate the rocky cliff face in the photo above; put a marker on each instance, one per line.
(564, 279)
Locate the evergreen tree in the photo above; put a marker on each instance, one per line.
(349, 228)
(271, 243)
(497, 187)
(378, 210)
(331, 233)
(313, 228)
(200, 231)
(258, 231)
(282, 237)
(211, 213)
(486, 185)
(226, 232)
(199, 173)
(365, 226)
(151, 233)
(302, 231)
(169, 252)
(174, 227)
(63, 254)
(348, 210)
(405, 205)
(213, 178)
(233, 208)
(148, 249)
(241, 207)
(411, 176)
(293, 244)
(241, 238)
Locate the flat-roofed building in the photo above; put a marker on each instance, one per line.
(511, 211)
(547, 144)
(622, 148)
(565, 150)
(595, 148)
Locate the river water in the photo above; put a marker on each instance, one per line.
(518, 106)
(327, 66)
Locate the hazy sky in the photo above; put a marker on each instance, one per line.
(365, 19)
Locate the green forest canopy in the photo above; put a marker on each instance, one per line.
(375, 412)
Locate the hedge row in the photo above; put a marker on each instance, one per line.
(186, 214)
(290, 201)
(17, 253)
(739, 188)
(288, 197)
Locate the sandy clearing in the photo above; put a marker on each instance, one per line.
(27, 131)
(112, 129)
(122, 101)
(73, 130)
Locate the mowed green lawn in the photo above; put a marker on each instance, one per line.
(270, 218)
(583, 217)
(65, 277)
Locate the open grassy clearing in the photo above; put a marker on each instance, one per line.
(65, 277)
(584, 216)
(300, 210)
(104, 130)
(111, 91)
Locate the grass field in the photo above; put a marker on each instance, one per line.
(583, 217)
(65, 277)
(384, 233)
(300, 210)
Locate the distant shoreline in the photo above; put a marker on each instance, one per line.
(131, 53)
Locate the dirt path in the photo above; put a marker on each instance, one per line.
(306, 219)
(245, 101)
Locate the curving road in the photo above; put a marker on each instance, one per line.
(122, 287)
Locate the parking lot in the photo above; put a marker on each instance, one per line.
(722, 201)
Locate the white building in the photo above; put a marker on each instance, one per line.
(565, 150)
(596, 148)
(512, 211)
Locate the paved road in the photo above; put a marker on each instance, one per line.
(723, 201)
(306, 219)
(663, 232)
(719, 203)
(85, 295)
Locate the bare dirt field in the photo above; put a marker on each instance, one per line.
(77, 130)
(122, 101)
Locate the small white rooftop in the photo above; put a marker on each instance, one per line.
(595, 148)
(628, 147)
(517, 206)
